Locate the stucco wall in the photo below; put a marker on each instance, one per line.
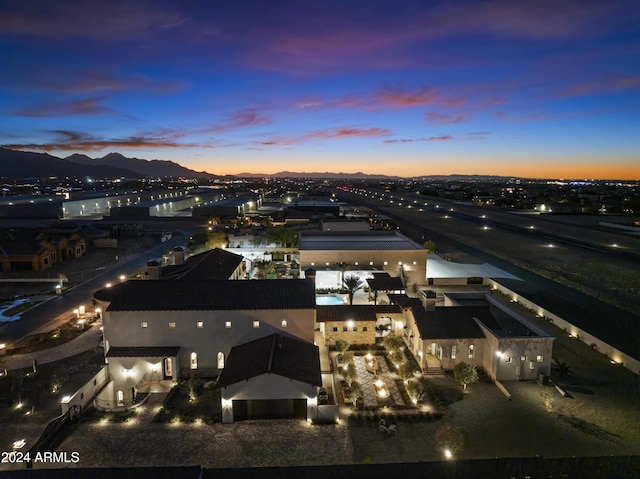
(415, 273)
(86, 392)
(123, 328)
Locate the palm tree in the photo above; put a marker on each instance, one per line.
(352, 283)
(343, 267)
(264, 268)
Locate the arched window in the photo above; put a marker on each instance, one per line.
(194, 360)
(220, 360)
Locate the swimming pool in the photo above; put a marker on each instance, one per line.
(329, 300)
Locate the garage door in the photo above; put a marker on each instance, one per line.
(269, 409)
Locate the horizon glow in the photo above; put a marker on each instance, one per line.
(495, 87)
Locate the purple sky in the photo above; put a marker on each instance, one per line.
(523, 88)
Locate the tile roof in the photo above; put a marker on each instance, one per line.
(213, 264)
(386, 284)
(403, 300)
(143, 352)
(209, 295)
(359, 312)
(274, 354)
(453, 322)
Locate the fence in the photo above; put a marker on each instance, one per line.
(610, 351)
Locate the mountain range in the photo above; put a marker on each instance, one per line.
(25, 164)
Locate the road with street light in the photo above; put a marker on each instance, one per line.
(50, 314)
(541, 259)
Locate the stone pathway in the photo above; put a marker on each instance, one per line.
(87, 340)
(366, 380)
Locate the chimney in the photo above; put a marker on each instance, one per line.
(428, 298)
(310, 273)
(178, 255)
(154, 270)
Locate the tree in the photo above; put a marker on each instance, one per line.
(281, 236)
(343, 267)
(264, 268)
(341, 346)
(59, 377)
(353, 392)
(406, 370)
(217, 239)
(465, 374)
(352, 284)
(450, 440)
(430, 245)
(415, 391)
(350, 375)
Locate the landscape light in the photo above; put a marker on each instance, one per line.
(19, 444)
(447, 454)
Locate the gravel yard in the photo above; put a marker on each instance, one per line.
(241, 444)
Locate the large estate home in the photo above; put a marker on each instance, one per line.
(257, 336)
(157, 330)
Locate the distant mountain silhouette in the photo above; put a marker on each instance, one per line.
(326, 174)
(157, 168)
(24, 164)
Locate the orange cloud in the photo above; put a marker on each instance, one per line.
(329, 133)
(396, 97)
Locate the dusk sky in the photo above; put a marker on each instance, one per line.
(546, 89)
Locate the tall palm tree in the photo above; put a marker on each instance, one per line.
(352, 283)
(343, 267)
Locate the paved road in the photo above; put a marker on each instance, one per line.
(613, 325)
(51, 313)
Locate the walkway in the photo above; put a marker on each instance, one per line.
(87, 340)
(366, 380)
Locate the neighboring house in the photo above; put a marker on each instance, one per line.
(212, 264)
(162, 329)
(354, 323)
(28, 250)
(365, 251)
(271, 377)
(476, 329)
